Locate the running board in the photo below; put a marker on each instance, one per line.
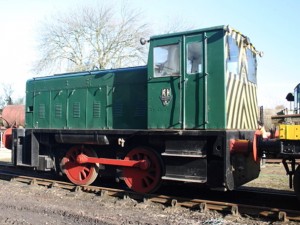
(184, 179)
(183, 155)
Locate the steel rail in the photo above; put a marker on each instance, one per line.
(195, 204)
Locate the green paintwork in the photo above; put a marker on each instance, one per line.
(197, 100)
(187, 92)
(113, 99)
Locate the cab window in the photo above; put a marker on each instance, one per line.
(233, 56)
(251, 60)
(194, 58)
(167, 60)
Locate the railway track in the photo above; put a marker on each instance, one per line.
(278, 161)
(274, 213)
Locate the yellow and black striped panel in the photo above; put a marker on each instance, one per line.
(241, 94)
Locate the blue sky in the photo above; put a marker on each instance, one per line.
(273, 27)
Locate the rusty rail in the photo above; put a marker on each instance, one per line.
(195, 204)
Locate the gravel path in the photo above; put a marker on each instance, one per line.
(31, 204)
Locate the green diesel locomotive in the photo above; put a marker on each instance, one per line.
(188, 116)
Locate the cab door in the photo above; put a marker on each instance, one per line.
(164, 83)
(194, 90)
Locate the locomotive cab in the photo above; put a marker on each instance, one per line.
(203, 82)
(203, 79)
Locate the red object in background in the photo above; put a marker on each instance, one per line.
(7, 138)
(13, 116)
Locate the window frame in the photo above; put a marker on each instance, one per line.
(173, 74)
(200, 61)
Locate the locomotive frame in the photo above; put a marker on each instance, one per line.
(175, 119)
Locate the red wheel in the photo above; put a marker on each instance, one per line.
(139, 180)
(80, 174)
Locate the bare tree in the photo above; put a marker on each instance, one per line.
(6, 95)
(92, 38)
(176, 23)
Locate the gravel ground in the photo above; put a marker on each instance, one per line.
(273, 176)
(32, 204)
